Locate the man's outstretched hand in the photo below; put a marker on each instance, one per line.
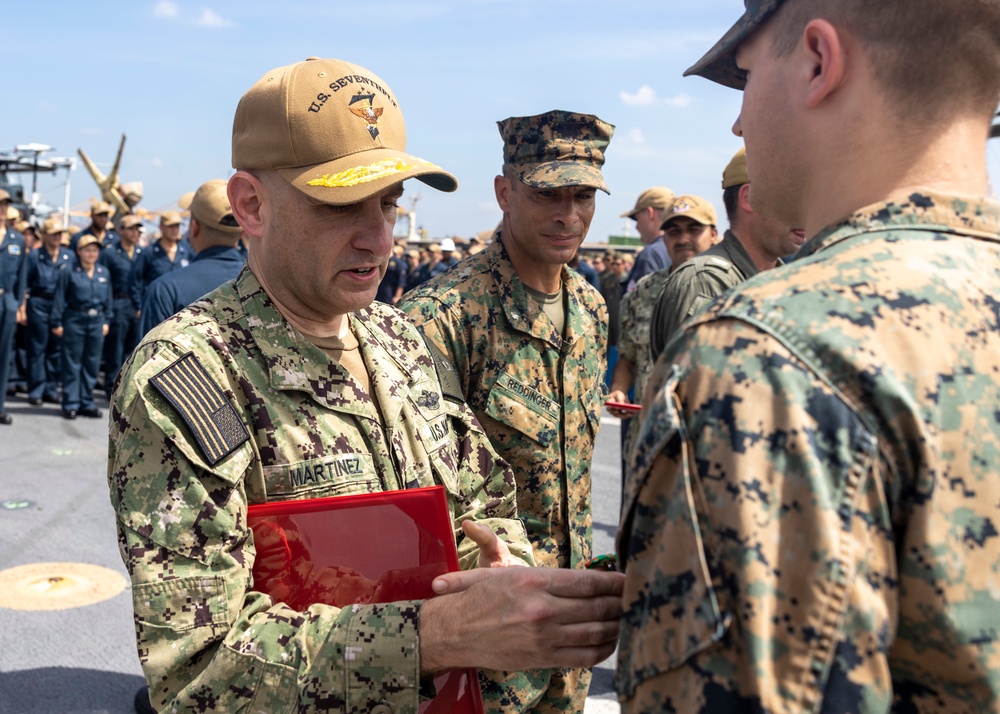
(520, 618)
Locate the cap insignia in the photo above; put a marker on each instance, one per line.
(364, 174)
(370, 114)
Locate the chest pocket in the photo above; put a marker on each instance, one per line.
(524, 409)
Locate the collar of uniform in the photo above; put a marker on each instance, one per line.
(523, 313)
(942, 213)
(294, 362)
(732, 249)
(219, 252)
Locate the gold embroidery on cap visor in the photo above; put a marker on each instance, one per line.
(364, 174)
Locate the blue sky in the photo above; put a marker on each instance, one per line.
(169, 74)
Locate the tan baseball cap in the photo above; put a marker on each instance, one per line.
(655, 197)
(86, 240)
(694, 207)
(13, 214)
(4, 196)
(54, 225)
(735, 173)
(332, 129)
(210, 206)
(129, 221)
(22, 225)
(102, 207)
(556, 149)
(170, 218)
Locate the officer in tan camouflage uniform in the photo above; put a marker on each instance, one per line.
(527, 337)
(811, 519)
(291, 367)
(753, 243)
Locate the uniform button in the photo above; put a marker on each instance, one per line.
(381, 709)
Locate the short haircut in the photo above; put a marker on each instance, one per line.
(935, 60)
(731, 201)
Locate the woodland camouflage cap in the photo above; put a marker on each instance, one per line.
(556, 149)
(719, 63)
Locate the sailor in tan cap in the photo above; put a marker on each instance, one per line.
(648, 216)
(528, 337)
(13, 270)
(214, 236)
(45, 349)
(167, 254)
(292, 369)
(100, 214)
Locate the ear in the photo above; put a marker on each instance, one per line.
(824, 48)
(195, 227)
(501, 187)
(247, 197)
(744, 198)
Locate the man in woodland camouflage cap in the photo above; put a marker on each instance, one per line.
(810, 522)
(528, 336)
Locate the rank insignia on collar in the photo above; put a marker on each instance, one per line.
(370, 114)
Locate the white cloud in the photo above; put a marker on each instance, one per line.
(681, 101)
(154, 162)
(646, 96)
(642, 98)
(165, 8)
(211, 19)
(636, 136)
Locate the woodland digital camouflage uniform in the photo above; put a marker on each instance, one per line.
(633, 345)
(538, 395)
(826, 537)
(206, 640)
(694, 285)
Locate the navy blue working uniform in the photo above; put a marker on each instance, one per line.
(151, 264)
(123, 334)
(110, 236)
(394, 278)
(13, 277)
(83, 304)
(44, 348)
(174, 291)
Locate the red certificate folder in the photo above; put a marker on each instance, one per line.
(367, 548)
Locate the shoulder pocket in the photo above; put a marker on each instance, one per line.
(523, 409)
(672, 611)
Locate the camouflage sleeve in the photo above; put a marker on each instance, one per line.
(627, 347)
(486, 478)
(206, 640)
(756, 539)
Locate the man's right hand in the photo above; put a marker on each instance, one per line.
(520, 618)
(617, 395)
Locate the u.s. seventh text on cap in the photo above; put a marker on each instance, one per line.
(719, 63)
(735, 173)
(556, 149)
(209, 205)
(694, 207)
(332, 129)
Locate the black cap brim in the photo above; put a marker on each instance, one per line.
(719, 63)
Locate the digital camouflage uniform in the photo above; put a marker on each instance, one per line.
(695, 284)
(538, 395)
(278, 414)
(820, 532)
(633, 345)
